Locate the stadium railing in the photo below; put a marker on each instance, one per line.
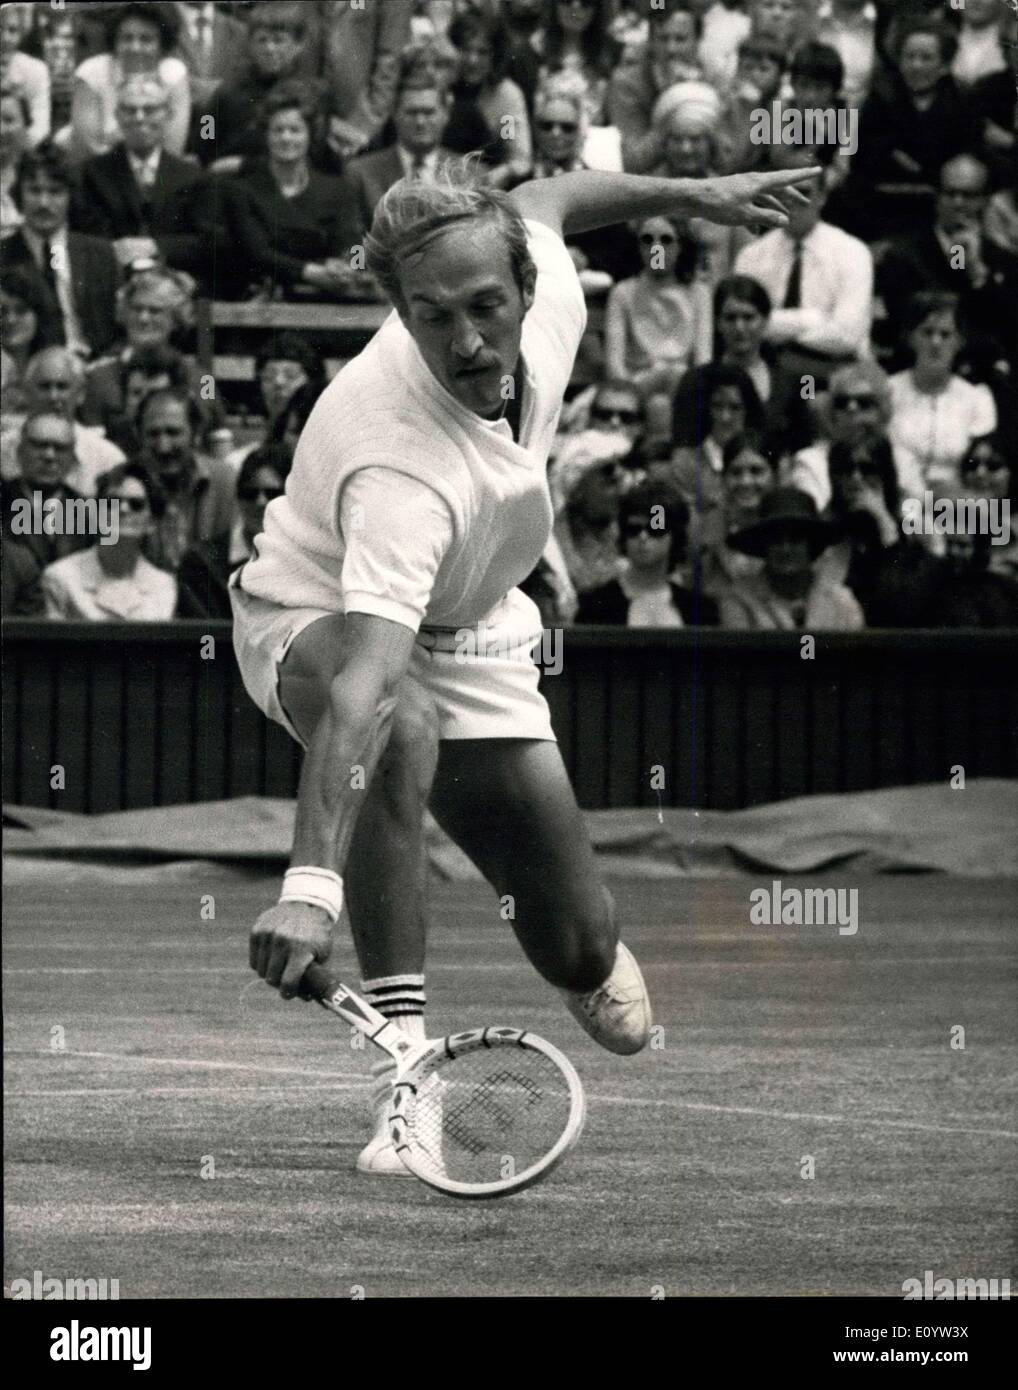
(156, 714)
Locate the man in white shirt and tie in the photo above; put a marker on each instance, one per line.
(819, 278)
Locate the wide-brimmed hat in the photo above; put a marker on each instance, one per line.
(786, 508)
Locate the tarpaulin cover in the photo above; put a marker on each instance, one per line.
(968, 830)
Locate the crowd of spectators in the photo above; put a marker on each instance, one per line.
(752, 415)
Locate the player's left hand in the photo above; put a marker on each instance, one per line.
(753, 200)
(284, 942)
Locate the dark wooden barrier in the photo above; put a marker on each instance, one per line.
(137, 716)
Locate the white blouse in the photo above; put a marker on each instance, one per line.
(932, 431)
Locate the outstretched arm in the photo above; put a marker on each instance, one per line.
(587, 199)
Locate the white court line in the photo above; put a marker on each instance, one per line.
(658, 1103)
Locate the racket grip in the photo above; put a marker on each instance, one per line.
(317, 982)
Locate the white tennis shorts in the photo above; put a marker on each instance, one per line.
(483, 679)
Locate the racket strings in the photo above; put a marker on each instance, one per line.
(489, 1115)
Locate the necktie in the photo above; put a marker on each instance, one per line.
(417, 167)
(49, 270)
(793, 294)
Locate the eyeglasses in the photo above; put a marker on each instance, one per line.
(640, 528)
(566, 127)
(843, 401)
(648, 239)
(132, 504)
(252, 494)
(607, 412)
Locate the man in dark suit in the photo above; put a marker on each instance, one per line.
(148, 202)
(81, 271)
(420, 117)
(45, 458)
(211, 44)
(953, 254)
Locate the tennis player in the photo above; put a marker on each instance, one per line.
(379, 621)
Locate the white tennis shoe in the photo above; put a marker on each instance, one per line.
(379, 1155)
(616, 1014)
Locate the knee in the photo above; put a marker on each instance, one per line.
(411, 754)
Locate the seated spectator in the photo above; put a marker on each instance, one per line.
(198, 490)
(293, 227)
(29, 316)
(285, 363)
(142, 371)
(816, 76)
(855, 410)
(20, 590)
(892, 575)
(786, 22)
(575, 36)
(277, 46)
(13, 143)
(905, 134)
(742, 310)
(972, 594)
(59, 47)
(588, 533)
(154, 309)
(560, 129)
(850, 27)
(669, 56)
(80, 271)
(45, 460)
(717, 405)
(25, 74)
(483, 90)
(211, 44)
(935, 414)
(658, 324)
(955, 255)
(114, 582)
(289, 423)
(54, 381)
(749, 472)
(149, 203)
(980, 42)
(140, 40)
(615, 424)
(419, 117)
(206, 567)
(819, 278)
(789, 592)
(686, 117)
(986, 471)
(652, 527)
(758, 80)
(725, 25)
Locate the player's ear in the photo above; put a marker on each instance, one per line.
(529, 285)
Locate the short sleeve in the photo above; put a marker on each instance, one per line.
(396, 531)
(559, 292)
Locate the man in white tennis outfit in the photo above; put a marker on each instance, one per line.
(379, 619)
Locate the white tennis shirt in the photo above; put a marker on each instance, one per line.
(404, 504)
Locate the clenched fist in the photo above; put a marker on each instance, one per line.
(284, 942)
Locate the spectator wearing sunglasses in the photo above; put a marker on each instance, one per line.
(789, 592)
(985, 471)
(856, 409)
(659, 323)
(114, 582)
(205, 569)
(892, 575)
(615, 424)
(652, 538)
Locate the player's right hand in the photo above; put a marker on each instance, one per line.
(284, 942)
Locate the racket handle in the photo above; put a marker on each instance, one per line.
(317, 982)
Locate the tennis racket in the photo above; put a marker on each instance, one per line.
(477, 1114)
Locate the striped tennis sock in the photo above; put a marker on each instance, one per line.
(401, 998)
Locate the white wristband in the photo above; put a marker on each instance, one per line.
(319, 887)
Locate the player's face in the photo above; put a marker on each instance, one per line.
(465, 311)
